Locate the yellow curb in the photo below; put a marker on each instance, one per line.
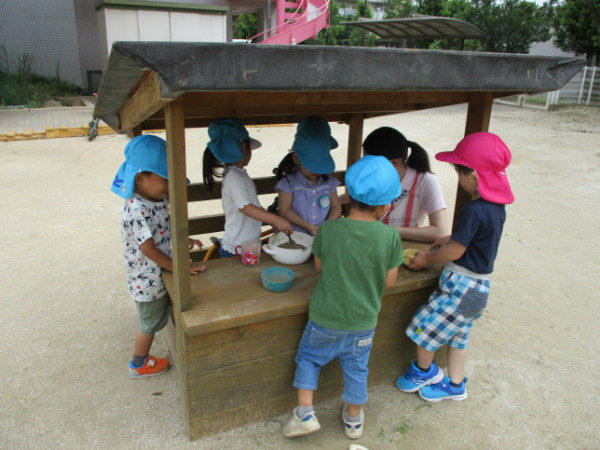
(50, 133)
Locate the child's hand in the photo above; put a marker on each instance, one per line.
(195, 268)
(195, 242)
(282, 225)
(313, 229)
(419, 261)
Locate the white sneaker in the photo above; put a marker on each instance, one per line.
(300, 427)
(354, 430)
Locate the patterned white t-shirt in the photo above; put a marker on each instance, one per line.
(141, 220)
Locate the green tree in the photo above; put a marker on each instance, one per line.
(577, 27)
(244, 26)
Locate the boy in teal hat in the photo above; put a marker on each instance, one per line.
(358, 257)
(142, 182)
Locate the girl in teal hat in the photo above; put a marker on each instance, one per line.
(306, 188)
(228, 152)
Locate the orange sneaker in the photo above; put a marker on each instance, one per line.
(151, 366)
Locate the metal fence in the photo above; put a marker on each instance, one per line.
(582, 89)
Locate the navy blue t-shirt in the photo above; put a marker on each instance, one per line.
(479, 228)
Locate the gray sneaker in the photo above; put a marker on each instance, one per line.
(300, 427)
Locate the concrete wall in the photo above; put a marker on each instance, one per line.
(47, 30)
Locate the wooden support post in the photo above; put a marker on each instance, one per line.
(355, 138)
(175, 131)
(478, 119)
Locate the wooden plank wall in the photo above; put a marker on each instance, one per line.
(245, 374)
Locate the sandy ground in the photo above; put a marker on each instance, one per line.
(69, 324)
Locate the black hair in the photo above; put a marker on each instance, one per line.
(211, 168)
(392, 144)
(360, 205)
(288, 166)
(285, 167)
(462, 169)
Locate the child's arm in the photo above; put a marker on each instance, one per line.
(451, 251)
(286, 211)
(318, 264)
(150, 251)
(436, 229)
(264, 216)
(390, 277)
(335, 210)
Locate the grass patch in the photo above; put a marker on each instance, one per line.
(21, 87)
(403, 428)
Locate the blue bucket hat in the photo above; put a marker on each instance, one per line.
(313, 144)
(373, 180)
(226, 137)
(145, 153)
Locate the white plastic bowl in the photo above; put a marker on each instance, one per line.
(289, 256)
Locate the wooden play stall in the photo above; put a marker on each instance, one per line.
(235, 342)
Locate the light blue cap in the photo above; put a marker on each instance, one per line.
(313, 144)
(226, 137)
(145, 153)
(373, 180)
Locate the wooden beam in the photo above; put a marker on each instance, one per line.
(478, 119)
(355, 133)
(144, 101)
(182, 294)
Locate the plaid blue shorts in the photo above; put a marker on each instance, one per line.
(449, 314)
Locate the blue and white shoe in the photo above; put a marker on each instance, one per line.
(444, 391)
(301, 426)
(414, 379)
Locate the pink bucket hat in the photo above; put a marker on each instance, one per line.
(488, 156)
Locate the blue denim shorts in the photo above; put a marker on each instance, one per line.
(450, 311)
(320, 345)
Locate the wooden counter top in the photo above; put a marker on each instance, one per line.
(229, 294)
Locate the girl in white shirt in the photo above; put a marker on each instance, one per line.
(226, 155)
(421, 196)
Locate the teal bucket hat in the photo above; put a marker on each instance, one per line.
(226, 137)
(145, 153)
(313, 144)
(373, 180)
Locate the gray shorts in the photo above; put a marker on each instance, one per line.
(155, 314)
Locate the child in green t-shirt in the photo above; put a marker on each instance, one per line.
(358, 257)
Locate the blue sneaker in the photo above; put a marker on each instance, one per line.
(444, 391)
(414, 379)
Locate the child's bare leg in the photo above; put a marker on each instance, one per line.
(143, 342)
(456, 364)
(305, 397)
(424, 358)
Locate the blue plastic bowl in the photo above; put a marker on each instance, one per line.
(277, 279)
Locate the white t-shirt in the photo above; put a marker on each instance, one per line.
(238, 191)
(141, 220)
(427, 199)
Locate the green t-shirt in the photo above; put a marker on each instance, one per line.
(355, 257)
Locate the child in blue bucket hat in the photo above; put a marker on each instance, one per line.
(307, 191)
(228, 152)
(358, 257)
(142, 182)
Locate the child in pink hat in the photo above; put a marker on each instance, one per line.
(480, 160)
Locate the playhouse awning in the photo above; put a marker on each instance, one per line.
(282, 84)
